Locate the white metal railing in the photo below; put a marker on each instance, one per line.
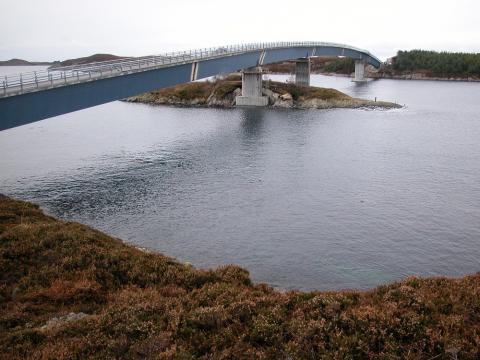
(61, 76)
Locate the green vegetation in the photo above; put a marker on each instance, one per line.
(340, 66)
(129, 303)
(443, 64)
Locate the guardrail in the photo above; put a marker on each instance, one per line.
(61, 76)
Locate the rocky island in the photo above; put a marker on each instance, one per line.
(223, 91)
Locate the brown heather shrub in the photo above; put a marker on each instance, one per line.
(306, 92)
(147, 305)
(187, 92)
(223, 88)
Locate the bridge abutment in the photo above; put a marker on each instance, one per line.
(252, 89)
(359, 71)
(302, 72)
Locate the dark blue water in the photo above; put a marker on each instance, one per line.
(307, 199)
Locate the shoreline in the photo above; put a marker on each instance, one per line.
(420, 76)
(370, 76)
(70, 291)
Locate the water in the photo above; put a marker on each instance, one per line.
(314, 199)
(14, 70)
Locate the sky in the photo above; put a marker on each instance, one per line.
(47, 30)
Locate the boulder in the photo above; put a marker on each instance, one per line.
(58, 322)
(286, 97)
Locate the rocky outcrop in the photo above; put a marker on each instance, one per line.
(58, 322)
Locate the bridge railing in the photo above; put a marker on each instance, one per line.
(61, 76)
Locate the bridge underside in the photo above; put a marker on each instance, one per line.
(30, 107)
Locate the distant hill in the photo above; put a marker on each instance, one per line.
(88, 59)
(21, 62)
(68, 62)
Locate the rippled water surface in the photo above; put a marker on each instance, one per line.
(307, 199)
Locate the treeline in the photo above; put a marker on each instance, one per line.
(438, 63)
(340, 66)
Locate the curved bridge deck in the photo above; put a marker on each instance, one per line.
(30, 97)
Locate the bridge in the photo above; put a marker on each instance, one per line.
(29, 97)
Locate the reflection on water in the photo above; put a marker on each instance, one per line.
(252, 121)
(304, 199)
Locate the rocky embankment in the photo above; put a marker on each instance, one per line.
(222, 93)
(68, 291)
(419, 75)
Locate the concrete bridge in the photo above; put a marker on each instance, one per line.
(29, 97)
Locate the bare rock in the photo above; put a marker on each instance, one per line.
(15, 292)
(60, 321)
(237, 92)
(283, 103)
(272, 96)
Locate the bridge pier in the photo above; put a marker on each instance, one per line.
(302, 72)
(252, 89)
(359, 71)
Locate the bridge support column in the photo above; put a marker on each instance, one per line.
(302, 72)
(359, 71)
(252, 89)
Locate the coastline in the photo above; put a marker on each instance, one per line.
(371, 75)
(70, 291)
(420, 76)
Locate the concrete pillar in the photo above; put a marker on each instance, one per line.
(252, 89)
(302, 72)
(359, 71)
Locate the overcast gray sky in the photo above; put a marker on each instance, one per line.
(60, 29)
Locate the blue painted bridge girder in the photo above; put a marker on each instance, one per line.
(33, 106)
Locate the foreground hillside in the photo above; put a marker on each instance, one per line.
(69, 291)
